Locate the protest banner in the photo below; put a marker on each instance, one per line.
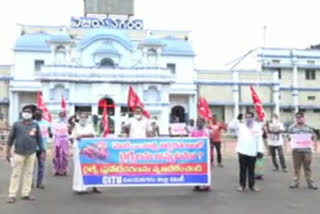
(301, 141)
(178, 129)
(109, 162)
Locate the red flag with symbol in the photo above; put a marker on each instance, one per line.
(105, 122)
(46, 115)
(203, 109)
(63, 105)
(134, 102)
(257, 104)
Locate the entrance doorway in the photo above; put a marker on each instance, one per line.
(178, 114)
(107, 103)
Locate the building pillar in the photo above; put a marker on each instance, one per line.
(14, 106)
(117, 120)
(94, 109)
(164, 120)
(276, 93)
(52, 55)
(192, 107)
(235, 93)
(68, 55)
(295, 93)
(70, 109)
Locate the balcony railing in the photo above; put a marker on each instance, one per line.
(96, 74)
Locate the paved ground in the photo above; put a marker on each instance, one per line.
(275, 196)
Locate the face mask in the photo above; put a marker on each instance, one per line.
(274, 120)
(249, 122)
(61, 119)
(82, 122)
(200, 126)
(138, 116)
(26, 115)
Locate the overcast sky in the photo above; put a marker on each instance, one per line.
(222, 30)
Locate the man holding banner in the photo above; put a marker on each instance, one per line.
(301, 137)
(82, 130)
(138, 126)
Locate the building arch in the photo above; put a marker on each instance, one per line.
(178, 112)
(107, 62)
(108, 103)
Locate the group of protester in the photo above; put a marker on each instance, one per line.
(250, 148)
(30, 136)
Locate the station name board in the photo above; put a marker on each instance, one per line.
(114, 23)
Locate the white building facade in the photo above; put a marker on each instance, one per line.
(298, 71)
(286, 80)
(87, 66)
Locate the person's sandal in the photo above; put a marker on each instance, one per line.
(28, 198)
(196, 189)
(11, 200)
(294, 186)
(254, 189)
(41, 186)
(96, 190)
(240, 189)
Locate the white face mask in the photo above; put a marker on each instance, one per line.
(274, 120)
(138, 116)
(26, 115)
(83, 122)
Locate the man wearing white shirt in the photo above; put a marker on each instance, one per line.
(249, 147)
(275, 129)
(138, 126)
(83, 129)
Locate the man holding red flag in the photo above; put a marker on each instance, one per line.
(260, 115)
(134, 102)
(138, 126)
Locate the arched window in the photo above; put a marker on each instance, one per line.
(152, 94)
(59, 91)
(152, 56)
(60, 55)
(178, 114)
(152, 52)
(107, 62)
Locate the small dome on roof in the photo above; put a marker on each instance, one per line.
(105, 33)
(60, 37)
(175, 46)
(32, 42)
(107, 48)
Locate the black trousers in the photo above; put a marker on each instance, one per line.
(217, 146)
(273, 152)
(247, 167)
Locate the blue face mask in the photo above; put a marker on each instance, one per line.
(249, 122)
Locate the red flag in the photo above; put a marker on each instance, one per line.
(134, 102)
(63, 105)
(203, 109)
(105, 122)
(257, 104)
(46, 115)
